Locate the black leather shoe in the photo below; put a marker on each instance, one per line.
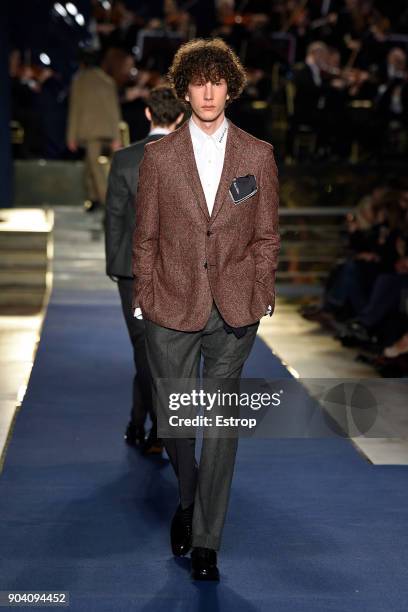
(152, 444)
(355, 334)
(134, 436)
(204, 564)
(91, 206)
(181, 531)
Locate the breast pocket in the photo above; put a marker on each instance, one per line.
(243, 188)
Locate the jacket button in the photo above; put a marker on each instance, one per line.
(209, 233)
(205, 265)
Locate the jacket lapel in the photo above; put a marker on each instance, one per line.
(185, 153)
(231, 161)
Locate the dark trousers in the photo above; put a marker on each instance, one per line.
(177, 354)
(142, 382)
(351, 284)
(385, 304)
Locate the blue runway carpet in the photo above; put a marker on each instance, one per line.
(312, 526)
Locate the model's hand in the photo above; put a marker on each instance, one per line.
(72, 146)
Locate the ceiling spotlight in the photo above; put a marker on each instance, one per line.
(80, 19)
(45, 59)
(71, 8)
(58, 8)
(106, 5)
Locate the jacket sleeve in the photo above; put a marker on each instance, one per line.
(115, 113)
(266, 240)
(146, 233)
(116, 205)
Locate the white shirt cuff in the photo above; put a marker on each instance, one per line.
(138, 313)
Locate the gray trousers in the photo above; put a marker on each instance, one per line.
(142, 384)
(176, 354)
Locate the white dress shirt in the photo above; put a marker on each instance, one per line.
(209, 152)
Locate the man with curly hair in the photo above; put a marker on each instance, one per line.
(205, 253)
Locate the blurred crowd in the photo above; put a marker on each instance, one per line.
(365, 301)
(332, 74)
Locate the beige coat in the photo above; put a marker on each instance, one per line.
(94, 112)
(182, 257)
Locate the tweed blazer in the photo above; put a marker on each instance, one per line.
(183, 258)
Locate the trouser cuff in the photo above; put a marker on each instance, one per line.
(206, 541)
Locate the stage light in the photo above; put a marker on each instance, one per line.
(71, 8)
(45, 59)
(58, 8)
(80, 19)
(106, 5)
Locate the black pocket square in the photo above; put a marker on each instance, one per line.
(242, 188)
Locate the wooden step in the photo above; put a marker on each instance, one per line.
(23, 259)
(22, 296)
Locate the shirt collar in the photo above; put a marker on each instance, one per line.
(199, 137)
(158, 130)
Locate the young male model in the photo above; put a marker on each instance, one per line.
(204, 258)
(164, 111)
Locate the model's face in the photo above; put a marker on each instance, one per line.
(207, 100)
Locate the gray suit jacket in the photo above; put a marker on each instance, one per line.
(120, 207)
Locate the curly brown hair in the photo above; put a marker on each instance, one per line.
(206, 59)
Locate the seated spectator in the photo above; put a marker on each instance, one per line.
(394, 68)
(392, 99)
(350, 283)
(382, 320)
(384, 314)
(126, 27)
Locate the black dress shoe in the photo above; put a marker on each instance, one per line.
(152, 444)
(153, 447)
(91, 206)
(181, 531)
(204, 564)
(134, 436)
(355, 334)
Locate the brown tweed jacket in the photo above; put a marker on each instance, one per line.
(183, 259)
